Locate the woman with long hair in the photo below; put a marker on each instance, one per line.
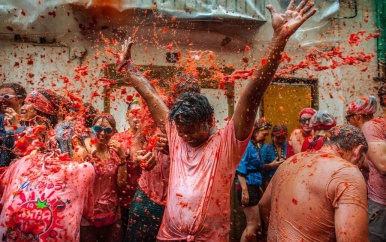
(109, 161)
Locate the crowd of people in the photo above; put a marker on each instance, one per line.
(68, 175)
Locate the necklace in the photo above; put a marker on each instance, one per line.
(277, 154)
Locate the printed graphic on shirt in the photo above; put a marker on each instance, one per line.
(36, 212)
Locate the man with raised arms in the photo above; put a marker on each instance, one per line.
(203, 160)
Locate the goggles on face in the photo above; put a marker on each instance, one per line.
(99, 129)
(304, 120)
(7, 96)
(267, 126)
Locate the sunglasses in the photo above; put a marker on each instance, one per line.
(8, 96)
(99, 129)
(266, 127)
(304, 120)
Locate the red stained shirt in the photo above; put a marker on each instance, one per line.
(45, 198)
(198, 202)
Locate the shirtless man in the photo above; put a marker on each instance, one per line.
(203, 161)
(320, 195)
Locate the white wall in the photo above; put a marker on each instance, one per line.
(50, 63)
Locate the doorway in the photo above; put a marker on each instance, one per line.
(285, 98)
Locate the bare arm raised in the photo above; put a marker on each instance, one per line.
(284, 25)
(157, 107)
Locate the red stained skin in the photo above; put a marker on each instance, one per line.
(294, 201)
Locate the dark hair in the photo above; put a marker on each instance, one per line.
(279, 128)
(191, 108)
(110, 118)
(261, 125)
(56, 100)
(186, 83)
(89, 112)
(346, 137)
(17, 88)
(382, 92)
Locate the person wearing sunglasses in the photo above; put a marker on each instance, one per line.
(304, 131)
(274, 153)
(12, 96)
(109, 160)
(361, 110)
(250, 180)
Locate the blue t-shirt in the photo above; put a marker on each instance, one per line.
(251, 166)
(267, 155)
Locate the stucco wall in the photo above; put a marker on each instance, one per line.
(38, 66)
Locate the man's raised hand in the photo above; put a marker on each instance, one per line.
(285, 24)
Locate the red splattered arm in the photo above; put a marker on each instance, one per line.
(284, 25)
(157, 107)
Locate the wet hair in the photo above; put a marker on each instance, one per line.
(187, 83)
(89, 112)
(346, 137)
(106, 116)
(381, 93)
(191, 108)
(17, 88)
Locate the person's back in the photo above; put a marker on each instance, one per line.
(307, 189)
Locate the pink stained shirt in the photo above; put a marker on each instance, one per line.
(154, 183)
(45, 202)
(106, 188)
(375, 131)
(198, 202)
